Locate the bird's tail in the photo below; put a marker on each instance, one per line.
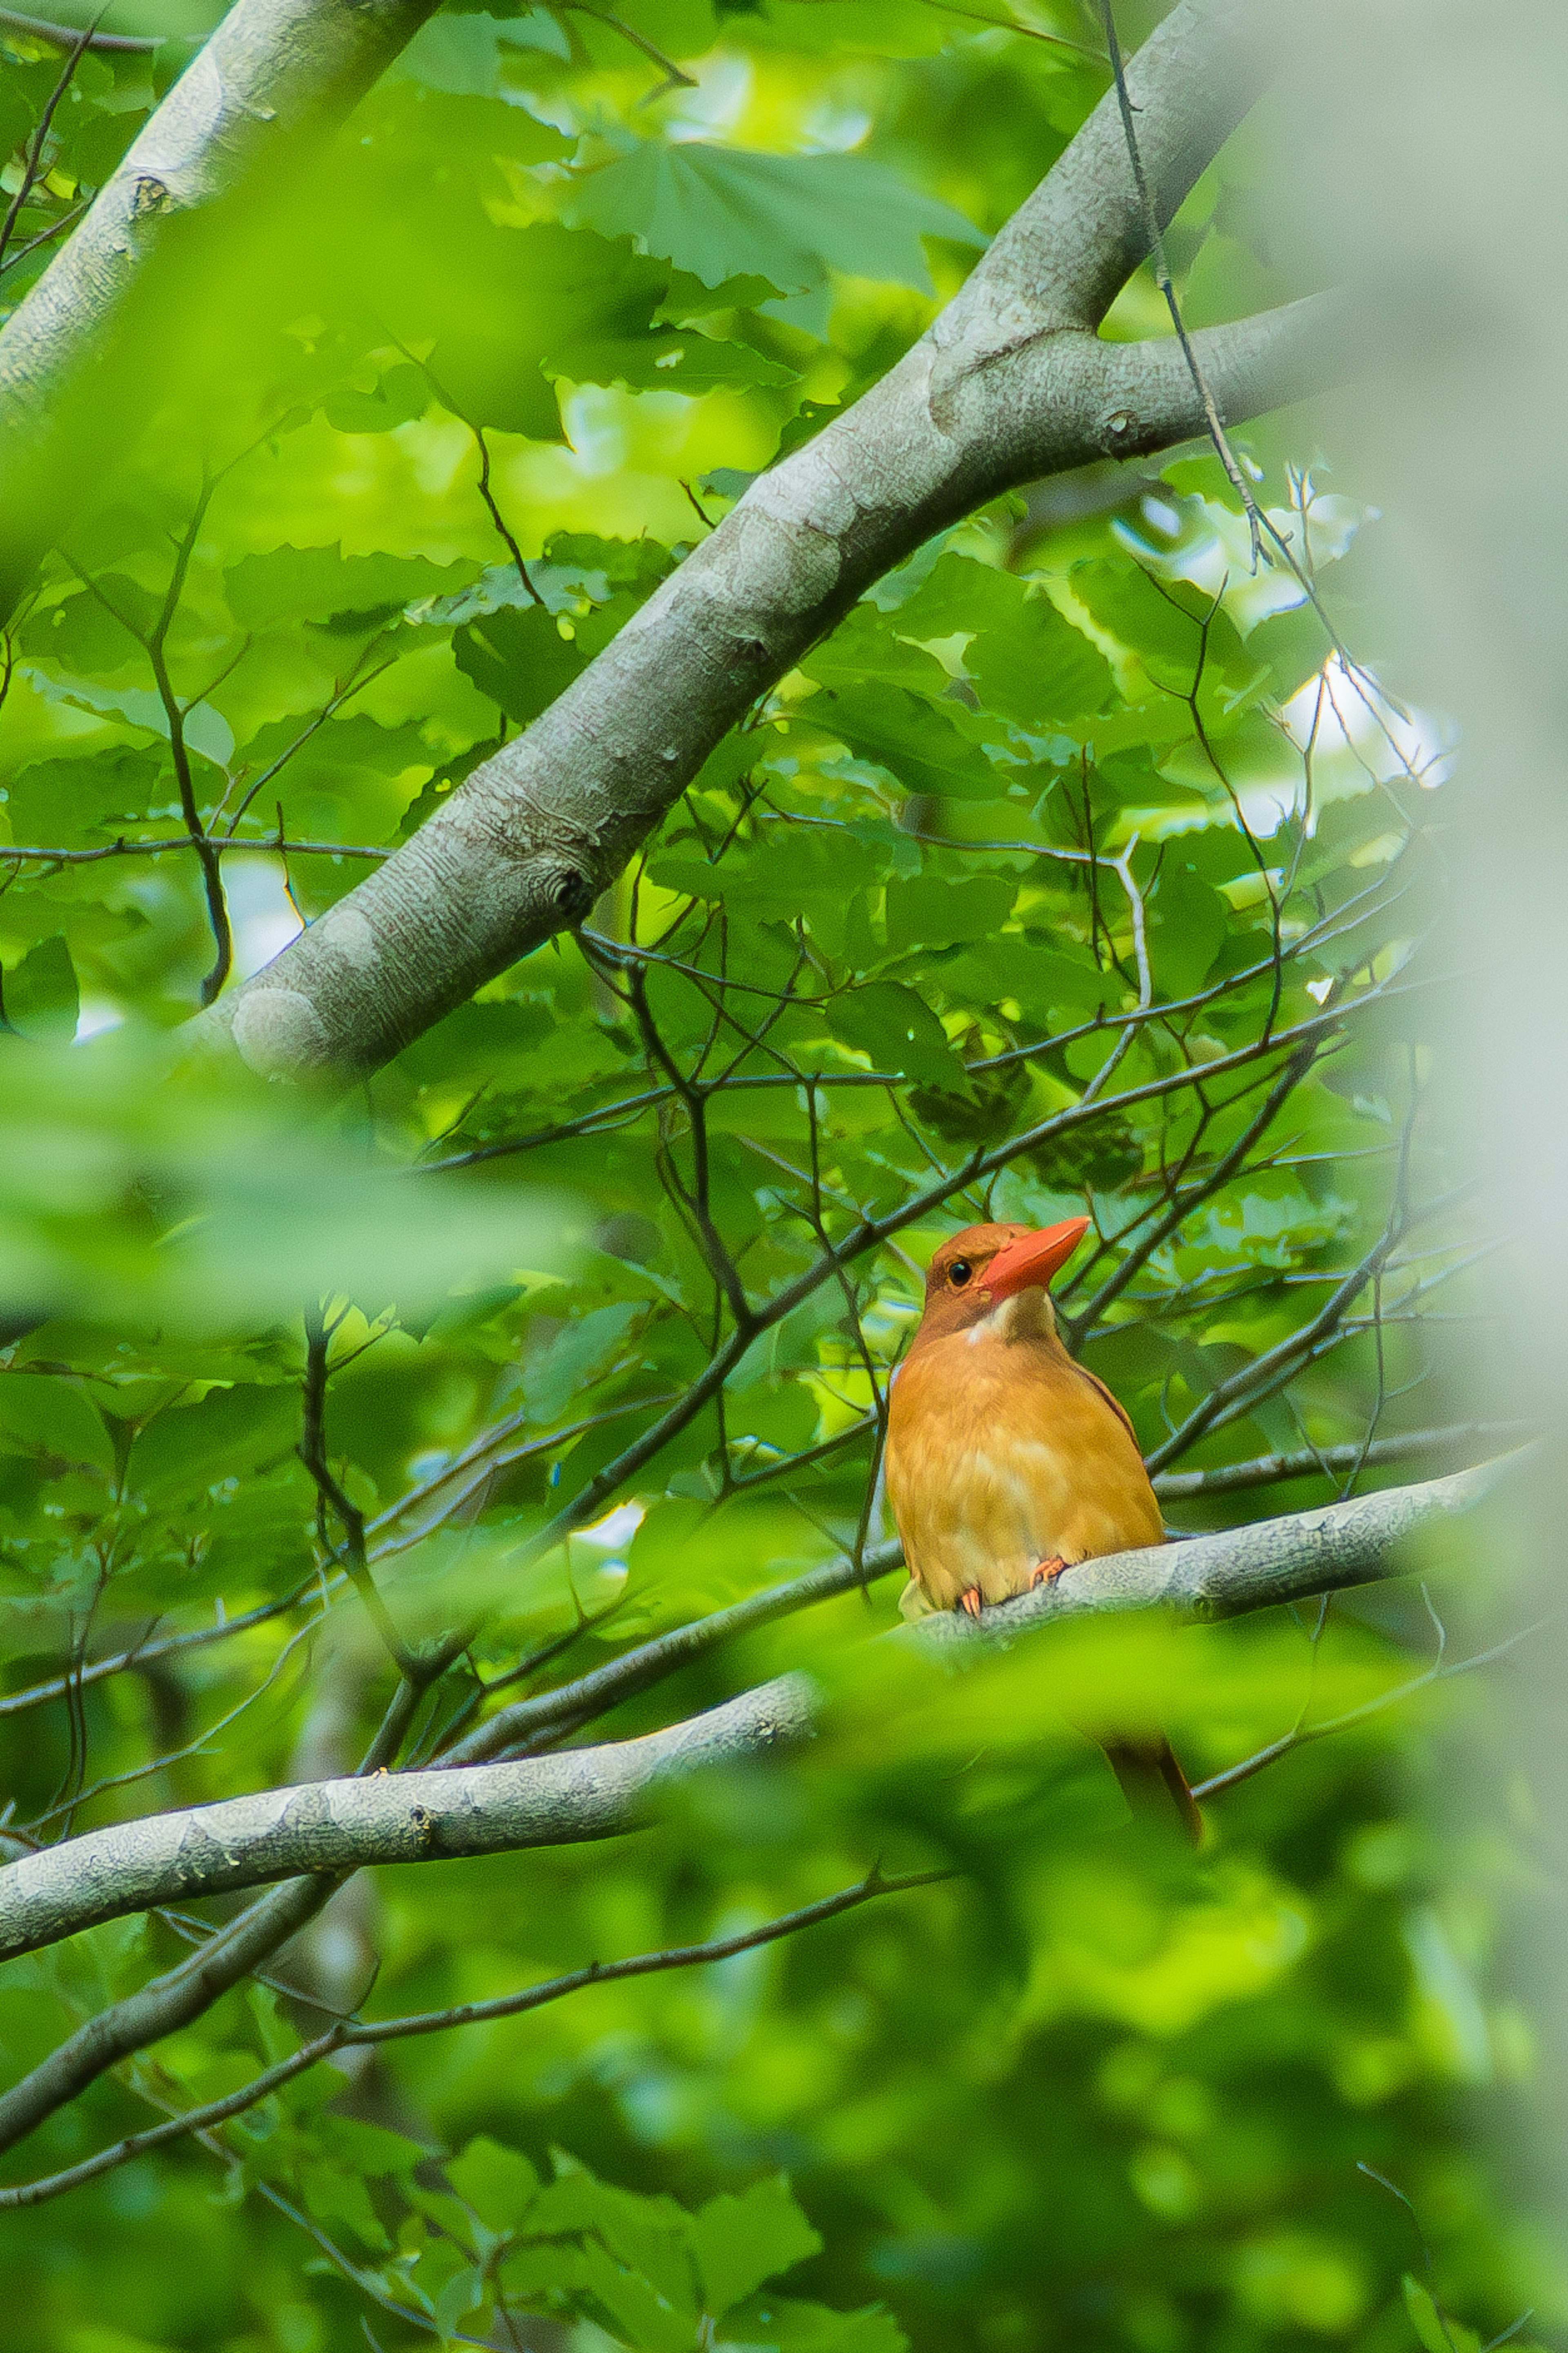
(1151, 1779)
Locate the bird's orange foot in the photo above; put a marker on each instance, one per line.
(1043, 1571)
(970, 1601)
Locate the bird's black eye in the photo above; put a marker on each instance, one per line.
(959, 1273)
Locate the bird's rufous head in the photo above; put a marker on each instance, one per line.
(971, 1274)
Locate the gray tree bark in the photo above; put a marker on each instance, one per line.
(330, 1827)
(1011, 382)
(83, 359)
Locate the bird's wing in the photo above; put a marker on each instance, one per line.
(1114, 1402)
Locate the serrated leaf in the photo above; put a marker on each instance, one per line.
(63, 801)
(791, 2326)
(922, 746)
(321, 583)
(690, 363)
(331, 2195)
(519, 659)
(1188, 925)
(581, 1352)
(648, 2319)
(1027, 662)
(725, 212)
(370, 2148)
(464, 55)
(790, 871)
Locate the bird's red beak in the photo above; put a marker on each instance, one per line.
(1034, 1260)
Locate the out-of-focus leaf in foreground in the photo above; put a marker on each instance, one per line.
(195, 1200)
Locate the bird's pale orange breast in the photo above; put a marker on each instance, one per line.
(1001, 1453)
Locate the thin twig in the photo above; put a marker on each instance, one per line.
(312, 1452)
(34, 160)
(1302, 1732)
(346, 2033)
(65, 36)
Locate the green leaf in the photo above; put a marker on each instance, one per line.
(899, 1032)
(739, 2242)
(1027, 663)
(722, 212)
(789, 871)
(323, 584)
(648, 2237)
(462, 2294)
(581, 1352)
(370, 2148)
(795, 2327)
(648, 2319)
(1180, 641)
(519, 659)
(330, 2195)
(927, 910)
(925, 747)
(86, 634)
(204, 729)
(399, 394)
(464, 55)
(41, 996)
(66, 800)
(1188, 925)
(693, 362)
(1438, 2332)
(867, 645)
(498, 2183)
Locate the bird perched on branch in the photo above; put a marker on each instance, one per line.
(1007, 1462)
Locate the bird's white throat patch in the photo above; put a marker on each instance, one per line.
(1021, 1315)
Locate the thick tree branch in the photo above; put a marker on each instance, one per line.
(327, 1828)
(82, 358)
(1194, 78)
(1011, 382)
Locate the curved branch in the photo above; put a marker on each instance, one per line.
(330, 1827)
(1009, 382)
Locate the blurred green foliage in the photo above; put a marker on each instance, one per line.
(544, 312)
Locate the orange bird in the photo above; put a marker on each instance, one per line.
(1007, 1462)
